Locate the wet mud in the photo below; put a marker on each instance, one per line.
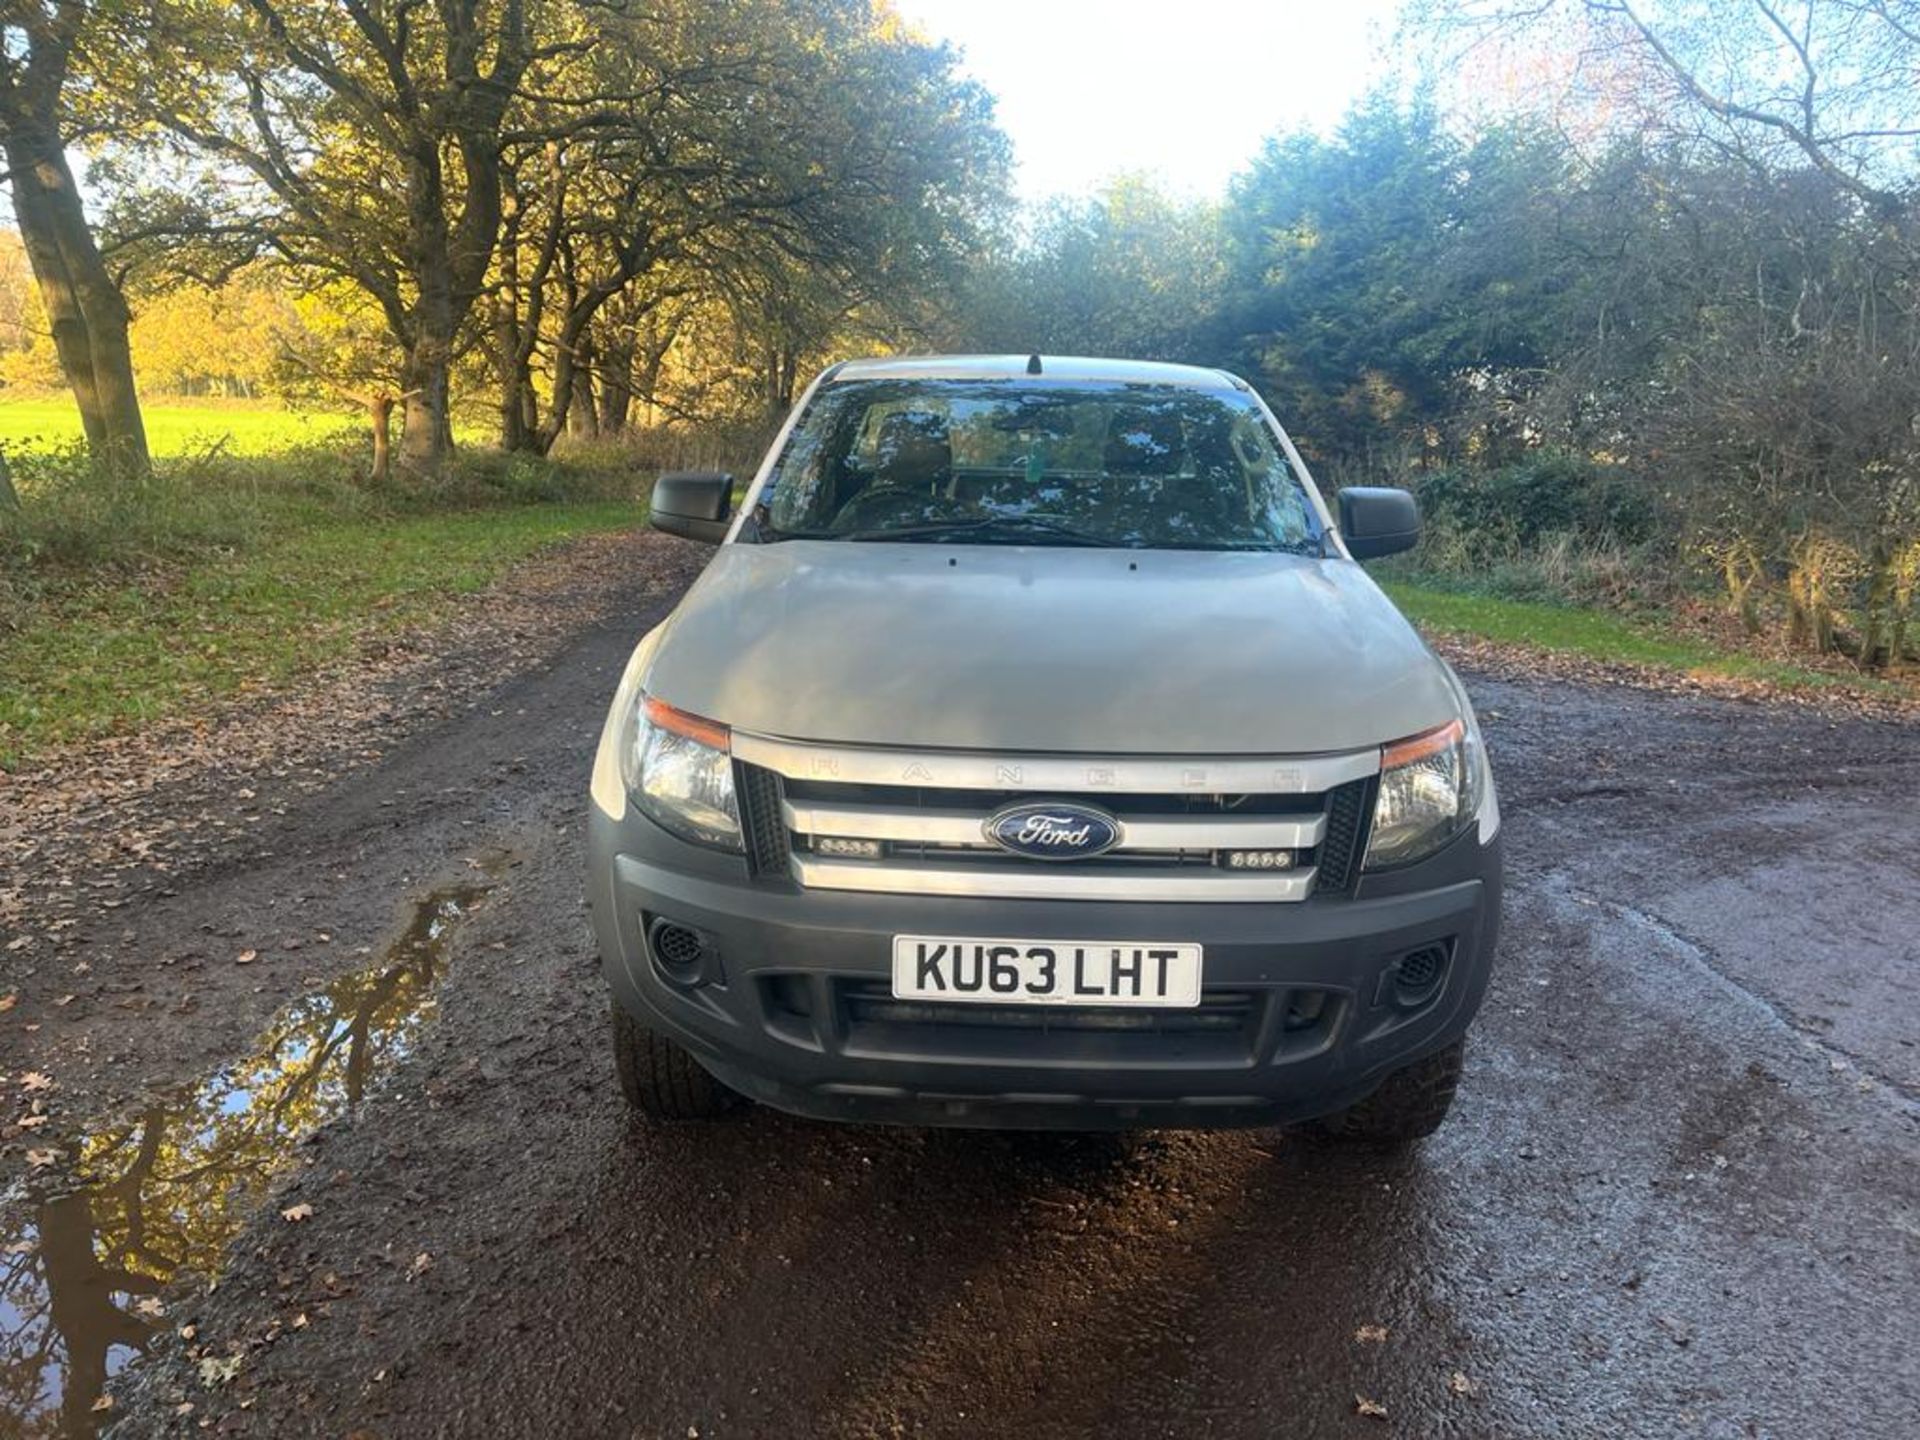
(112, 1218)
(1679, 1195)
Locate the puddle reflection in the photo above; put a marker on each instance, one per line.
(88, 1245)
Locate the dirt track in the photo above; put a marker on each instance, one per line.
(1679, 1195)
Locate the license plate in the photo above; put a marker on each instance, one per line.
(1046, 972)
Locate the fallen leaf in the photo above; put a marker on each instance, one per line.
(246, 957)
(7, 1002)
(34, 1080)
(422, 1263)
(215, 1372)
(1461, 1385)
(1371, 1334)
(65, 1000)
(32, 1122)
(299, 1322)
(149, 1306)
(297, 1212)
(105, 1402)
(41, 1159)
(1372, 1409)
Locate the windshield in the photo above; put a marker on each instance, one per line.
(1036, 463)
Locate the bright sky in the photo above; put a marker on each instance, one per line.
(1182, 89)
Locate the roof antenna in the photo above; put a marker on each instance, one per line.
(1033, 364)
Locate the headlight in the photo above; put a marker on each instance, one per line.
(1430, 787)
(679, 770)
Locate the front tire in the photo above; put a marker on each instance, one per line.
(660, 1079)
(1408, 1106)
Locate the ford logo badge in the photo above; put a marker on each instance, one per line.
(1057, 831)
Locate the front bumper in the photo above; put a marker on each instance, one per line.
(1304, 1009)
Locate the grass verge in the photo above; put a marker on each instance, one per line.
(124, 603)
(1607, 638)
(121, 652)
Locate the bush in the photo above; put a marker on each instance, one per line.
(1550, 527)
(1522, 505)
(73, 514)
(733, 446)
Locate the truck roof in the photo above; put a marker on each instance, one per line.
(1014, 367)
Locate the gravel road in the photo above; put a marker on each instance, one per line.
(1679, 1194)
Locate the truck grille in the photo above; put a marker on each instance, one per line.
(1256, 1025)
(841, 818)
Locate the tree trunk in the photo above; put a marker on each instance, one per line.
(512, 374)
(85, 309)
(380, 412)
(426, 437)
(426, 433)
(583, 416)
(783, 365)
(616, 387)
(569, 350)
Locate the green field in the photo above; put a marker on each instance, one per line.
(179, 429)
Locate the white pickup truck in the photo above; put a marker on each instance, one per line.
(1035, 752)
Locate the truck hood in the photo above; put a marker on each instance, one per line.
(1029, 648)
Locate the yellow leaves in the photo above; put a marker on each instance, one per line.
(215, 1371)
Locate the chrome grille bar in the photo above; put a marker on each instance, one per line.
(1052, 882)
(1207, 831)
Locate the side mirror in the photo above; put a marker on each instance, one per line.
(692, 504)
(1377, 521)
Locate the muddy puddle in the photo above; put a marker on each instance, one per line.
(91, 1242)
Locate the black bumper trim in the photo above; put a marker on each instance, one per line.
(817, 1063)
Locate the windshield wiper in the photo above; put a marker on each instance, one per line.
(1254, 547)
(1029, 527)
